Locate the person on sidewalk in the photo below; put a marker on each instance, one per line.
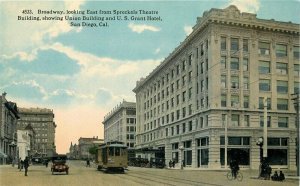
(275, 176)
(26, 165)
(281, 176)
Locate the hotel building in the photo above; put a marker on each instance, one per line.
(42, 122)
(120, 124)
(216, 79)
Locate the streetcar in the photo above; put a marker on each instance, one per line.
(112, 156)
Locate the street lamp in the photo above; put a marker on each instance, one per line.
(181, 156)
(260, 143)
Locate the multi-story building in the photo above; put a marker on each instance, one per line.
(25, 142)
(84, 144)
(216, 79)
(119, 124)
(8, 124)
(42, 122)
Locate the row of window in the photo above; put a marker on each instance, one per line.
(263, 47)
(179, 114)
(281, 68)
(282, 86)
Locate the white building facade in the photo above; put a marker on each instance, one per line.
(120, 124)
(223, 69)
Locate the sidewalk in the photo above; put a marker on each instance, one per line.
(253, 173)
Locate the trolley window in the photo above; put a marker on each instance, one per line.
(111, 151)
(117, 151)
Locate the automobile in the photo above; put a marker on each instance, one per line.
(36, 160)
(59, 164)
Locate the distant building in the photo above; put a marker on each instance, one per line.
(42, 122)
(25, 141)
(216, 79)
(8, 124)
(73, 151)
(120, 124)
(84, 144)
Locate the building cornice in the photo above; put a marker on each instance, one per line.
(123, 105)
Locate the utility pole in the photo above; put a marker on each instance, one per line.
(296, 104)
(265, 147)
(226, 140)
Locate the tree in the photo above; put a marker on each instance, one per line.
(93, 150)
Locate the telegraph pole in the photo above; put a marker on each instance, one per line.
(265, 147)
(296, 104)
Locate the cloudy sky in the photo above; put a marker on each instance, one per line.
(81, 72)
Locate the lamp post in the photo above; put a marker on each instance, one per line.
(181, 157)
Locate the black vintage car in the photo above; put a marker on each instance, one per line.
(59, 164)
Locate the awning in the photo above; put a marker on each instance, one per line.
(2, 155)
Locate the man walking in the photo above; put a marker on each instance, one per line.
(26, 165)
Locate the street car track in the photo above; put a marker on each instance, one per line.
(168, 180)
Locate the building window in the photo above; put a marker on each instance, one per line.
(190, 125)
(264, 67)
(235, 82)
(264, 48)
(246, 120)
(261, 103)
(183, 80)
(190, 93)
(177, 114)
(223, 43)
(190, 109)
(190, 76)
(296, 87)
(234, 43)
(246, 101)
(235, 120)
(223, 62)
(296, 50)
(282, 104)
(296, 69)
(281, 50)
(234, 63)
(245, 64)
(183, 112)
(177, 69)
(177, 84)
(177, 99)
(223, 100)
(245, 45)
(172, 131)
(282, 68)
(183, 127)
(283, 122)
(190, 59)
(183, 65)
(262, 121)
(177, 129)
(277, 151)
(223, 81)
(282, 87)
(264, 85)
(246, 83)
(235, 101)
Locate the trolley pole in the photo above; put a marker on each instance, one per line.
(296, 104)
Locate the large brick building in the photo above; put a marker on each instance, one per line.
(223, 69)
(42, 122)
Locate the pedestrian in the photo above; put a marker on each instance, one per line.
(173, 163)
(170, 163)
(88, 163)
(281, 176)
(26, 165)
(234, 166)
(275, 176)
(21, 164)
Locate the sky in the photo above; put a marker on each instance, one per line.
(82, 73)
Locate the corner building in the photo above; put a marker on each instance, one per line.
(216, 78)
(120, 124)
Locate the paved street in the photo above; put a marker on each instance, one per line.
(82, 176)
